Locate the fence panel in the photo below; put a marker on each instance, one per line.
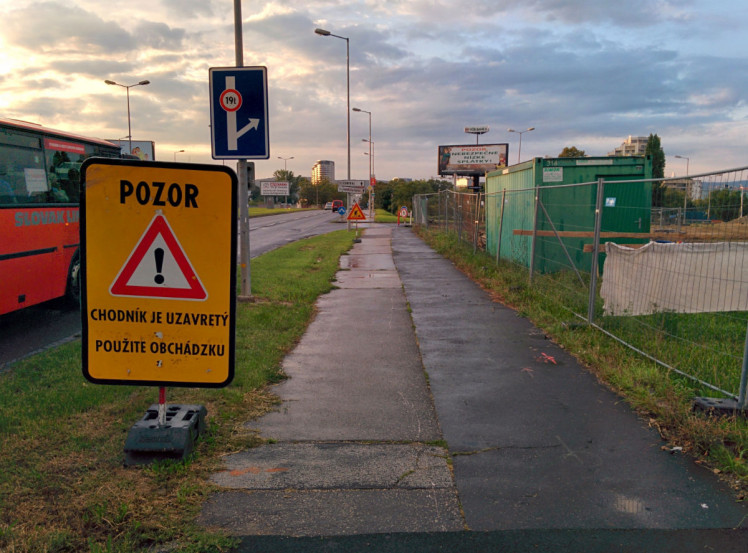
(669, 281)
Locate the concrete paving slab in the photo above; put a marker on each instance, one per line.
(368, 261)
(344, 385)
(332, 512)
(361, 280)
(345, 466)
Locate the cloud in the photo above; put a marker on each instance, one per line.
(59, 26)
(159, 36)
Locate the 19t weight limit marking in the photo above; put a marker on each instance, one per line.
(230, 100)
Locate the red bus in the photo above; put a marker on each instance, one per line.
(39, 194)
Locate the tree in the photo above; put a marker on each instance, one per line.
(572, 151)
(396, 193)
(654, 149)
(282, 175)
(318, 195)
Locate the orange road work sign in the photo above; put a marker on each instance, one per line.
(158, 245)
(356, 214)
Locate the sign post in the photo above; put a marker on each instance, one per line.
(240, 129)
(356, 215)
(158, 245)
(239, 113)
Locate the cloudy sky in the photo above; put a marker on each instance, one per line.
(584, 73)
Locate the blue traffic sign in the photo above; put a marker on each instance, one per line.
(239, 113)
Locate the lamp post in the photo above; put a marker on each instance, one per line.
(285, 170)
(520, 133)
(371, 194)
(685, 187)
(285, 159)
(177, 152)
(127, 88)
(323, 32)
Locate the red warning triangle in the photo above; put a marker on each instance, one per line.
(356, 214)
(158, 268)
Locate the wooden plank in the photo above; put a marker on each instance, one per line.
(589, 248)
(591, 234)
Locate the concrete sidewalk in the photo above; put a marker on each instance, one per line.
(534, 441)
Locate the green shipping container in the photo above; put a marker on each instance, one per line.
(566, 210)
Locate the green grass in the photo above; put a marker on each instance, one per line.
(62, 483)
(383, 216)
(663, 397)
(264, 212)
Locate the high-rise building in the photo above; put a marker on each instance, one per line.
(323, 170)
(632, 146)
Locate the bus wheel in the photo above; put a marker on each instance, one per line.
(73, 288)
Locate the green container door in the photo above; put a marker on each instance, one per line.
(563, 210)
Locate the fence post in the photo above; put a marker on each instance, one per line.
(454, 218)
(439, 210)
(476, 222)
(742, 400)
(534, 233)
(501, 226)
(595, 250)
(458, 210)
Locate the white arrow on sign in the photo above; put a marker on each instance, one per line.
(232, 133)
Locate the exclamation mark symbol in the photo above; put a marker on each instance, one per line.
(159, 254)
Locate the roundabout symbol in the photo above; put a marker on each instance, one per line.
(231, 100)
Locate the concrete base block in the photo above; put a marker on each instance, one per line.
(147, 441)
(718, 407)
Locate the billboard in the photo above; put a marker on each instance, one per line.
(144, 150)
(473, 159)
(274, 188)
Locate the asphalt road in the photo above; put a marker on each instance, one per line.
(36, 328)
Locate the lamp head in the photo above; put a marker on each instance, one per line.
(322, 32)
(109, 82)
(145, 82)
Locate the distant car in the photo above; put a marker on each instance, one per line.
(336, 204)
(328, 205)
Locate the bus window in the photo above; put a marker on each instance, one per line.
(22, 176)
(64, 161)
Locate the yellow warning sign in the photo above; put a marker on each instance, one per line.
(158, 244)
(356, 214)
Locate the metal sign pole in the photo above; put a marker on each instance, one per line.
(241, 169)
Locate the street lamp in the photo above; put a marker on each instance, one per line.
(177, 152)
(323, 32)
(285, 159)
(370, 154)
(128, 87)
(688, 160)
(685, 187)
(369, 141)
(520, 133)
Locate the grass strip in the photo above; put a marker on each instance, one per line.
(663, 399)
(63, 486)
(384, 216)
(264, 211)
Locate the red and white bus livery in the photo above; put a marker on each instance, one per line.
(39, 195)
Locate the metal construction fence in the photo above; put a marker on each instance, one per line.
(670, 283)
